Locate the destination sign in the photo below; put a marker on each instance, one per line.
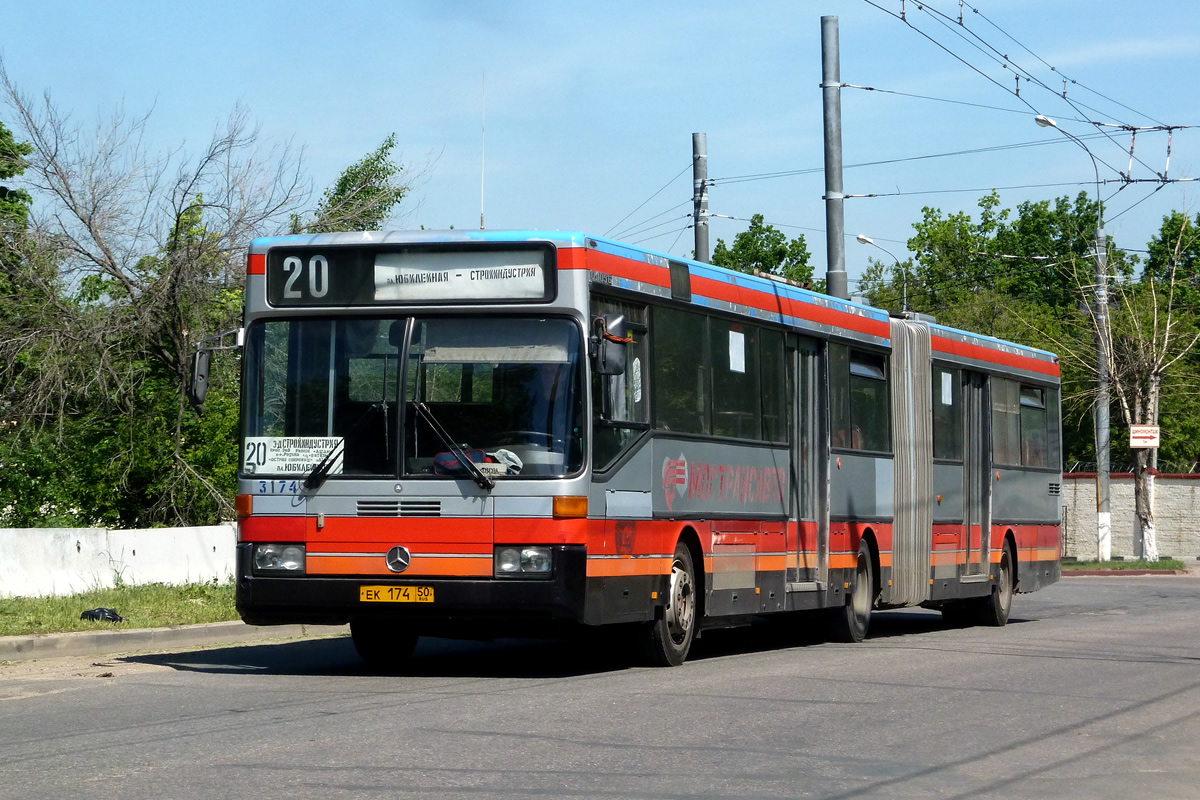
(383, 275)
(290, 455)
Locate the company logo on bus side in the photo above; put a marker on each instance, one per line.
(725, 484)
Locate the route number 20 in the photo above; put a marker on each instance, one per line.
(318, 277)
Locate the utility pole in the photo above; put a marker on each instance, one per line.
(1103, 430)
(836, 284)
(1103, 445)
(700, 194)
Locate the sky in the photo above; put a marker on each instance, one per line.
(579, 116)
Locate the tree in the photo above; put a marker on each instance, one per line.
(127, 260)
(763, 248)
(14, 203)
(1153, 329)
(363, 197)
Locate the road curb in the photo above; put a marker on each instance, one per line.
(1112, 573)
(89, 643)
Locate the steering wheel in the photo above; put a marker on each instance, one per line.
(526, 437)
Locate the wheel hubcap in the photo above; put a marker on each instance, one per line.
(862, 593)
(682, 606)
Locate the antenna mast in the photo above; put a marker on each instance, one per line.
(483, 149)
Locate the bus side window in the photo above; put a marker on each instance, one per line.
(860, 410)
(681, 376)
(1034, 433)
(1006, 422)
(947, 414)
(621, 403)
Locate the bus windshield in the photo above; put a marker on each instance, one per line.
(504, 392)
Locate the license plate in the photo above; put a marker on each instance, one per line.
(395, 594)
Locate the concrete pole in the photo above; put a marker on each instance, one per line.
(1103, 431)
(836, 284)
(700, 194)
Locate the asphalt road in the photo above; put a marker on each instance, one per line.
(1092, 691)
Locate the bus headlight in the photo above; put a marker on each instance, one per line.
(523, 560)
(279, 558)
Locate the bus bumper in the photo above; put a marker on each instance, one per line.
(500, 605)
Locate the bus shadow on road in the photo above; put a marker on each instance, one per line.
(525, 658)
(502, 658)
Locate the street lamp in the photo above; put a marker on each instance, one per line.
(1104, 515)
(862, 238)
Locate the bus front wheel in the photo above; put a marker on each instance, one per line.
(851, 621)
(384, 645)
(670, 635)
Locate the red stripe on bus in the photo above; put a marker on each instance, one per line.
(511, 530)
(257, 264)
(980, 353)
(627, 268)
(271, 529)
(732, 293)
(572, 258)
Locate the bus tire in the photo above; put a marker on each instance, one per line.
(383, 644)
(851, 621)
(994, 609)
(669, 638)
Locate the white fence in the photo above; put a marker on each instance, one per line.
(40, 562)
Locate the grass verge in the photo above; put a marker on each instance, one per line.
(150, 606)
(1163, 563)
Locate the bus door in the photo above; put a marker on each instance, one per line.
(977, 484)
(810, 556)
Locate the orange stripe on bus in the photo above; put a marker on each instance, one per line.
(843, 560)
(774, 563)
(477, 566)
(609, 567)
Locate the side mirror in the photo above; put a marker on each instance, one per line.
(198, 389)
(607, 344)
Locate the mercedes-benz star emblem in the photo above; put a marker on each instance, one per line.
(398, 559)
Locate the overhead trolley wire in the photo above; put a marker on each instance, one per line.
(1004, 60)
(634, 228)
(648, 199)
(973, 151)
(1054, 69)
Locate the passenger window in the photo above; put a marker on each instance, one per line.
(681, 378)
(860, 411)
(947, 414)
(1034, 434)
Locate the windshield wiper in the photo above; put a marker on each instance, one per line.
(475, 472)
(323, 467)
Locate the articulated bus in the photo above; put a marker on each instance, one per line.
(480, 434)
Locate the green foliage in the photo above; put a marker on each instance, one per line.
(94, 427)
(763, 248)
(153, 605)
(1118, 566)
(362, 198)
(14, 203)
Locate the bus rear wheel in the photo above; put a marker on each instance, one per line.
(670, 636)
(994, 608)
(383, 644)
(850, 622)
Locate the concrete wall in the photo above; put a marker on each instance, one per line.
(38, 562)
(1176, 516)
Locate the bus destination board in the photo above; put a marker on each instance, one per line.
(370, 276)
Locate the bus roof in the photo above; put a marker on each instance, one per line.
(706, 272)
